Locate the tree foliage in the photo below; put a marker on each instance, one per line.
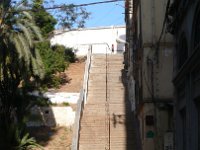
(71, 16)
(67, 16)
(68, 53)
(56, 59)
(43, 19)
(19, 60)
(53, 60)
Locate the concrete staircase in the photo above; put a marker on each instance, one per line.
(107, 122)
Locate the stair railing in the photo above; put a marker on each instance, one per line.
(81, 102)
(107, 109)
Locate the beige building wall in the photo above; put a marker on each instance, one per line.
(147, 142)
(153, 13)
(157, 70)
(155, 76)
(160, 75)
(161, 126)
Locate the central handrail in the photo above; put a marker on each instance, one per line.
(107, 106)
(81, 102)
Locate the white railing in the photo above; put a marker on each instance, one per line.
(97, 48)
(81, 102)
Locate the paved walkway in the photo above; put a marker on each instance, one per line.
(107, 122)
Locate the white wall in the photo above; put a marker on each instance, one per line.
(51, 116)
(101, 38)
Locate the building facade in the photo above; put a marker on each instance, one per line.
(149, 65)
(184, 23)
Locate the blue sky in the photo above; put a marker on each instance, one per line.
(101, 15)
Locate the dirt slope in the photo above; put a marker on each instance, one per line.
(74, 74)
(59, 138)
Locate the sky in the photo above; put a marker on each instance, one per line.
(109, 14)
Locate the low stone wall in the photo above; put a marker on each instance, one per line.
(51, 116)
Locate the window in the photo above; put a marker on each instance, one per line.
(183, 127)
(197, 29)
(182, 51)
(198, 126)
(149, 120)
(198, 129)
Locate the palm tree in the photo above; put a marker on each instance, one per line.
(18, 33)
(19, 60)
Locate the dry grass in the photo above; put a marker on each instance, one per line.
(58, 138)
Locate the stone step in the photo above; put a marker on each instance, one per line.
(109, 90)
(95, 71)
(110, 84)
(97, 91)
(88, 136)
(109, 65)
(94, 131)
(99, 95)
(97, 84)
(93, 141)
(94, 98)
(91, 102)
(109, 58)
(97, 77)
(95, 106)
(91, 114)
(100, 63)
(92, 146)
(88, 124)
(102, 73)
(108, 95)
(100, 98)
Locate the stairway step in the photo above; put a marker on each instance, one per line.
(94, 123)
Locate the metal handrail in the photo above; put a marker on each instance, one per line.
(107, 105)
(81, 102)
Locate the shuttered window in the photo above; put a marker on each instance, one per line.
(197, 31)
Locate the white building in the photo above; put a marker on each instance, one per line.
(101, 39)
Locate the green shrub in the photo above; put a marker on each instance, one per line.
(65, 104)
(67, 52)
(69, 55)
(27, 142)
(54, 62)
(13, 129)
(51, 81)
